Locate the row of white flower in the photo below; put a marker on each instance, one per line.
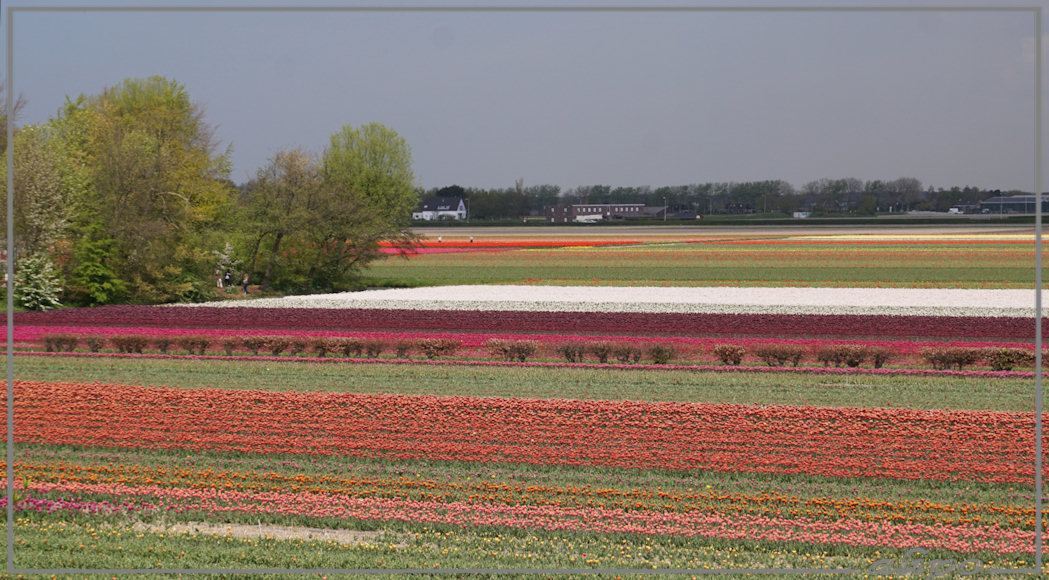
(899, 301)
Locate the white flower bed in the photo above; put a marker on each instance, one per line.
(900, 301)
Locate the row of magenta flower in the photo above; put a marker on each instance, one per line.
(608, 323)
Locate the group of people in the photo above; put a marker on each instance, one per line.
(225, 281)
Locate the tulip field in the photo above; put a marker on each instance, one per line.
(556, 402)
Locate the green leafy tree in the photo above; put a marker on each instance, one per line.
(281, 204)
(156, 186)
(318, 224)
(93, 280)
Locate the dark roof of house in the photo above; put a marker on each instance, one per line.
(441, 204)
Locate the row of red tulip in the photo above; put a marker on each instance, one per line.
(905, 444)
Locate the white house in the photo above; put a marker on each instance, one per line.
(441, 208)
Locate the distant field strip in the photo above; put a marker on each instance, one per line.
(867, 301)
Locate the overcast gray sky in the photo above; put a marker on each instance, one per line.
(484, 98)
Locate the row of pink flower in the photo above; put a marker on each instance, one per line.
(474, 341)
(630, 323)
(74, 505)
(582, 365)
(845, 532)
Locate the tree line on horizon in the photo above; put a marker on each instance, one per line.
(849, 196)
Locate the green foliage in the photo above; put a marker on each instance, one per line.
(37, 283)
(313, 224)
(93, 280)
(155, 187)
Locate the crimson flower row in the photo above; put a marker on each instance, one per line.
(905, 444)
(675, 324)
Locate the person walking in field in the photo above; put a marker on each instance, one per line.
(245, 282)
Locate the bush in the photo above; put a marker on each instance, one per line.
(661, 353)
(347, 346)
(94, 342)
(297, 345)
(601, 350)
(163, 343)
(627, 353)
(879, 355)
(520, 350)
(193, 343)
(779, 354)
(404, 347)
(129, 343)
(373, 347)
(1004, 359)
(60, 342)
(497, 348)
(277, 344)
(512, 350)
(729, 354)
(254, 343)
(572, 351)
(230, 344)
(321, 345)
(435, 347)
(850, 355)
(950, 356)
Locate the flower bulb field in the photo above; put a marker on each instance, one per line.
(629, 401)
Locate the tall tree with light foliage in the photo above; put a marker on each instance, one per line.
(157, 188)
(316, 223)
